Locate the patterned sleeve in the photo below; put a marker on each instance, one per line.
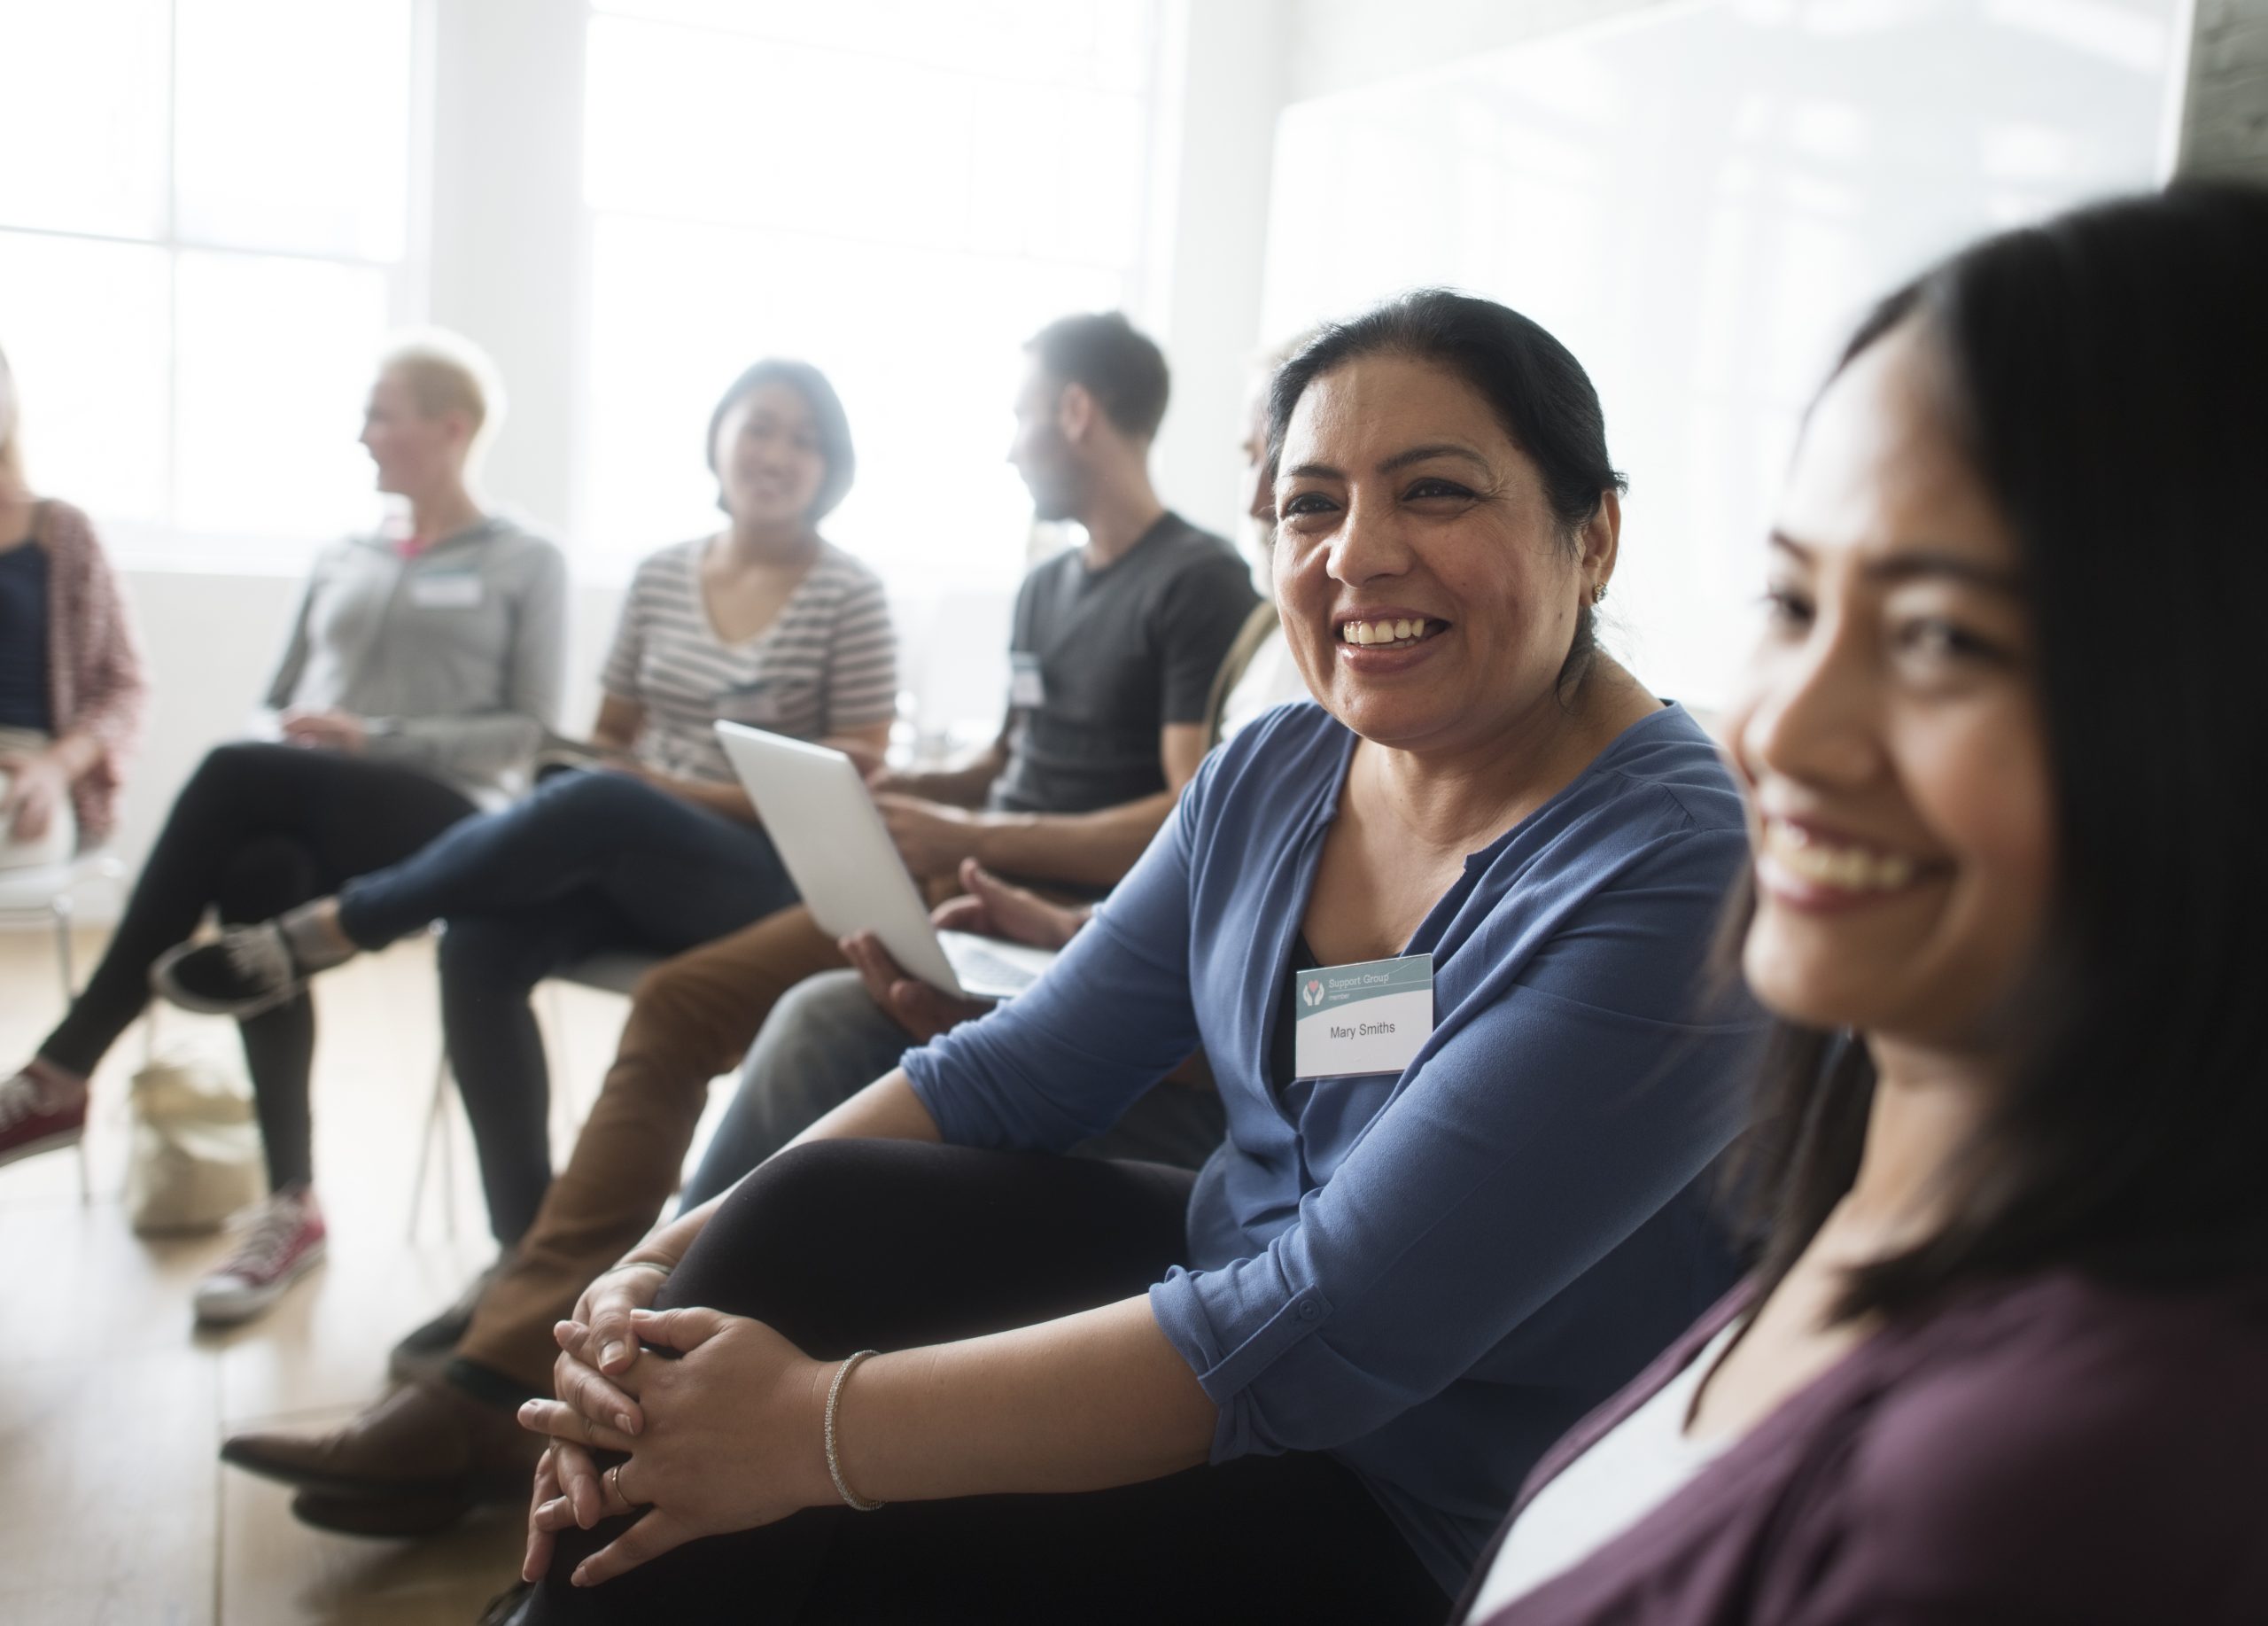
(107, 686)
(861, 659)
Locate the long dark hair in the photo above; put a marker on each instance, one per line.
(829, 423)
(1543, 399)
(2107, 377)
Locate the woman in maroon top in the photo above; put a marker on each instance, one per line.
(2005, 1355)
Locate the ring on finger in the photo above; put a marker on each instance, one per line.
(614, 1475)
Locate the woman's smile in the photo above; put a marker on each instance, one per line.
(1805, 866)
(1373, 640)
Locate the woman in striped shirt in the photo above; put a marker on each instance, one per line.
(652, 845)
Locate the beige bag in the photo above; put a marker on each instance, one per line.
(197, 1155)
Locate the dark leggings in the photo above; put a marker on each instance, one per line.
(850, 1245)
(257, 829)
(588, 861)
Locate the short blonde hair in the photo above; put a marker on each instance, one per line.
(447, 372)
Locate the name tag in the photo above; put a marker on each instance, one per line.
(1369, 1018)
(1026, 688)
(446, 590)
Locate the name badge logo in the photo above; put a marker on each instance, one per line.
(1373, 1017)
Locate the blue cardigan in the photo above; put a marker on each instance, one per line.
(1433, 1274)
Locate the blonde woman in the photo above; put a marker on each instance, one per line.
(419, 674)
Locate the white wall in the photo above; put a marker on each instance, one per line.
(507, 261)
(507, 256)
(1340, 44)
(1234, 75)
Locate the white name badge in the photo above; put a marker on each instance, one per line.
(1369, 1018)
(1026, 689)
(446, 590)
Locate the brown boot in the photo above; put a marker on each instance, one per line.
(420, 1443)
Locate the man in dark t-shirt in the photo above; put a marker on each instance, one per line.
(1107, 658)
(1116, 643)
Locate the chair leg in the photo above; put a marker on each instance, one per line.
(58, 909)
(564, 1120)
(436, 1124)
(448, 1162)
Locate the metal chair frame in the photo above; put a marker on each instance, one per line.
(610, 971)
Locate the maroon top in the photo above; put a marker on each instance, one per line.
(2054, 1451)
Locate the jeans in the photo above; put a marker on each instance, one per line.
(589, 861)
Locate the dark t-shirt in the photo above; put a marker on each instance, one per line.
(25, 701)
(1118, 654)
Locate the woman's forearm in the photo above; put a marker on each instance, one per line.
(886, 1109)
(1085, 1402)
(729, 800)
(77, 753)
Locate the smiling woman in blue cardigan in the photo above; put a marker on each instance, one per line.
(1312, 1378)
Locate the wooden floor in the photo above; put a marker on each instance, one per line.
(113, 1506)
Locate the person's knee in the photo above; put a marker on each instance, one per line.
(823, 1042)
(263, 878)
(228, 774)
(669, 995)
(828, 1004)
(588, 798)
(805, 1190)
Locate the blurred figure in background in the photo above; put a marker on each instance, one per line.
(1119, 642)
(652, 845)
(71, 690)
(420, 673)
(837, 1031)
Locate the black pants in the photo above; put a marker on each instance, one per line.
(258, 829)
(850, 1245)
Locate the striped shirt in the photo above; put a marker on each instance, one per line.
(826, 665)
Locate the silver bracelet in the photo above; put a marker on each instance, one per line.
(834, 1462)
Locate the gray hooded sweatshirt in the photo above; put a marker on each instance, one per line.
(453, 657)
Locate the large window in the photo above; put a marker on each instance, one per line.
(898, 191)
(204, 225)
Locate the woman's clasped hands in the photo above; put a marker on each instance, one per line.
(722, 1419)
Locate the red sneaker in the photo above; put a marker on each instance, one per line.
(31, 1122)
(283, 1242)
